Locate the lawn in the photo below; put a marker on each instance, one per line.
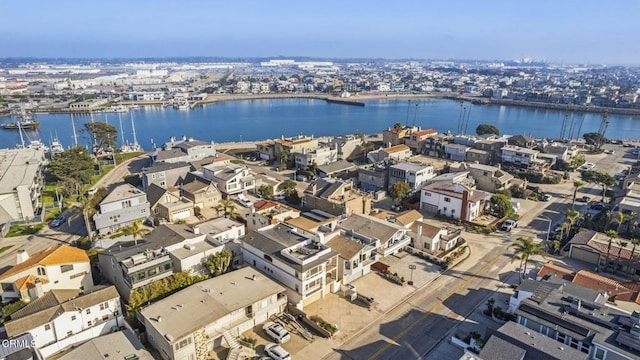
(5, 248)
(49, 193)
(120, 157)
(20, 230)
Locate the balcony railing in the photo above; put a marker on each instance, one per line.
(394, 246)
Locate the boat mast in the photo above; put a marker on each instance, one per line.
(21, 137)
(121, 130)
(133, 126)
(75, 136)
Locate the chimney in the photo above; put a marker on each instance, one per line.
(196, 230)
(22, 256)
(39, 290)
(465, 205)
(159, 319)
(253, 277)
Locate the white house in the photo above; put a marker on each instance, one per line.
(20, 183)
(63, 267)
(431, 239)
(453, 200)
(296, 259)
(520, 156)
(391, 238)
(414, 174)
(194, 321)
(124, 205)
(63, 318)
(322, 155)
(230, 178)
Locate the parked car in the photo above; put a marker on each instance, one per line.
(276, 352)
(57, 221)
(556, 229)
(244, 201)
(546, 197)
(508, 225)
(277, 332)
(610, 152)
(92, 191)
(278, 197)
(583, 199)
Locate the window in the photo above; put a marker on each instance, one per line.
(65, 268)
(69, 333)
(585, 348)
(42, 271)
(167, 266)
(561, 337)
(183, 343)
(7, 287)
(347, 265)
(446, 199)
(89, 323)
(600, 354)
(574, 343)
(105, 317)
(88, 311)
(73, 317)
(104, 305)
(47, 326)
(126, 203)
(152, 272)
(268, 258)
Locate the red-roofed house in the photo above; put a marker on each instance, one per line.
(64, 267)
(267, 212)
(417, 140)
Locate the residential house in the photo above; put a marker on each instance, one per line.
(478, 156)
(321, 155)
(185, 150)
(566, 312)
(314, 221)
(196, 320)
(61, 319)
(161, 200)
(521, 157)
(414, 174)
(299, 260)
(267, 212)
(559, 151)
(336, 197)
(492, 147)
(286, 147)
(514, 341)
(395, 136)
(490, 178)
(267, 150)
(189, 245)
(62, 267)
(356, 253)
(434, 145)
(605, 254)
(108, 347)
(272, 183)
(21, 183)
(203, 194)
(131, 266)
(630, 202)
(416, 140)
(231, 178)
(165, 174)
(405, 219)
(523, 141)
(120, 208)
(391, 238)
(397, 152)
(348, 146)
(341, 168)
(434, 239)
(374, 178)
(453, 200)
(456, 152)
(462, 177)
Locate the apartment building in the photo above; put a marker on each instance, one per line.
(21, 183)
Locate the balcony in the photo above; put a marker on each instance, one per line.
(393, 246)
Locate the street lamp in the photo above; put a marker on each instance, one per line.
(411, 267)
(546, 241)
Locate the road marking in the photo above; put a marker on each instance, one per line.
(433, 309)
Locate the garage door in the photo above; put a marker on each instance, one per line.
(182, 214)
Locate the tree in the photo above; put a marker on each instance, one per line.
(501, 206)
(484, 129)
(399, 191)
(218, 263)
(611, 234)
(518, 191)
(227, 208)
(577, 184)
(265, 191)
(365, 147)
(524, 250)
(72, 166)
(635, 242)
(103, 135)
(87, 207)
(293, 197)
(601, 178)
(621, 245)
(594, 138)
(288, 186)
(136, 229)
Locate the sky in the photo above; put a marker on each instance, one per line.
(560, 31)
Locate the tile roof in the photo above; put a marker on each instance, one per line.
(264, 204)
(395, 149)
(425, 132)
(28, 281)
(558, 271)
(408, 217)
(63, 254)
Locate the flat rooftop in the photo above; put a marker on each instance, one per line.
(18, 167)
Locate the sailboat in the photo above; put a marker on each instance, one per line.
(133, 147)
(56, 147)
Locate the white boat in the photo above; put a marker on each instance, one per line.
(55, 148)
(118, 109)
(181, 105)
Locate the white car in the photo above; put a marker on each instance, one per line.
(92, 191)
(276, 352)
(278, 197)
(277, 332)
(508, 225)
(547, 197)
(242, 200)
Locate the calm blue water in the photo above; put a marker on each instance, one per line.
(264, 119)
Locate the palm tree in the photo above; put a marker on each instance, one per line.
(524, 250)
(576, 185)
(227, 208)
(572, 217)
(620, 220)
(136, 229)
(635, 242)
(611, 234)
(87, 208)
(621, 245)
(365, 147)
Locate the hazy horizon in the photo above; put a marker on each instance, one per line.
(556, 32)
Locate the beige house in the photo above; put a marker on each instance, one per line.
(202, 194)
(63, 267)
(416, 141)
(432, 239)
(167, 205)
(336, 197)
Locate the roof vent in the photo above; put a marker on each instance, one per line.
(159, 319)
